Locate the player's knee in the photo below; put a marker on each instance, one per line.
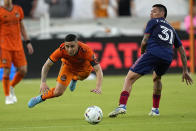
(58, 93)
(59, 90)
(81, 78)
(23, 72)
(157, 79)
(7, 74)
(131, 78)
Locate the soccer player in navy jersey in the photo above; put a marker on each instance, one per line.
(157, 53)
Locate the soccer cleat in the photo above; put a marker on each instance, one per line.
(12, 94)
(8, 100)
(154, 112)
(117, 111)
(72, 85)
(34, 101)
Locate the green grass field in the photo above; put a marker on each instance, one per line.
(177, 107)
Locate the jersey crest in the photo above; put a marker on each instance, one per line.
(17, 14)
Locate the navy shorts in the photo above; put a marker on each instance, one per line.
(148, 62)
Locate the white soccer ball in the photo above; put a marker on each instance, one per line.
(93, 114)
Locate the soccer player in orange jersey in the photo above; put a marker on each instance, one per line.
(11, 48)
(78, 60)
(100, 8)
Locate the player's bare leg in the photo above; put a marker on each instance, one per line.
(59, 90)
(129, 81)
(21, 72)
(157, 88)
(53, 92)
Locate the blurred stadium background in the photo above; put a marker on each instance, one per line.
(114, 36)
(115, 39)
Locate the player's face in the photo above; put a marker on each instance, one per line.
(156, 13)
(71, 47)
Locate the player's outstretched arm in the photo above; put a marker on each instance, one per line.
(185, 75)
(45, 69)
(99, 78)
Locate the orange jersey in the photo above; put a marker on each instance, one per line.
(10, 32)
(83, 60)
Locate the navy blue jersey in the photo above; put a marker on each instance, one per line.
(162, 38)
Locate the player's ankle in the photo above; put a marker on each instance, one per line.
(154, 108)
(122, 106)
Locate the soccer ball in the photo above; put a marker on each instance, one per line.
(93, 114)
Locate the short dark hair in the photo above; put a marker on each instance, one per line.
(71, 37)
(161, 8)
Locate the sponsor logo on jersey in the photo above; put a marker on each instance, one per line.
(17, 14)
(4, 61)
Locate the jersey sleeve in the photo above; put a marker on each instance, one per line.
(150, 26)
(177, 41)
(21, 13)
(92, 58)
(56, 55)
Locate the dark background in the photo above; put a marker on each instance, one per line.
(43, 49)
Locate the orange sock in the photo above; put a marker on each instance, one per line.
(17, 78)
(6, 86)
(48, 95)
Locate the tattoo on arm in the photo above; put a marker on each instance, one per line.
(144, 43)
(45, 70)
(145, 39)
(44, 73)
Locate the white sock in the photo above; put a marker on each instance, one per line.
(154, 108)
(122, 105)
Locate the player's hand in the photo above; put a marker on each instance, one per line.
(30, 48)
(44, 88)
(187, 78)
(97, 91)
